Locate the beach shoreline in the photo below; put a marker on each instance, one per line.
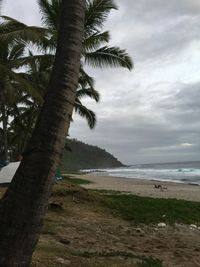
(142, 187)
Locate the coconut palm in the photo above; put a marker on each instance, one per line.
(12, 86)
(22, 124)
(7, 93)
(24, 117)
(95, 50)
(23, 206)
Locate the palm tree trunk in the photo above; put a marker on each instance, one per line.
(5, 132)
(4, 120)
(27, 134)
(24, 204)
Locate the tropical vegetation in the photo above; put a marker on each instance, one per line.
(33, 63)
(81, 156)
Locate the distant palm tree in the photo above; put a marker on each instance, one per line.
(24, 117)
(23, 206)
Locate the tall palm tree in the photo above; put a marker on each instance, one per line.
(23, 206)
(7, 92)
(24, 117)
(95, 52)
(12, 84)
(23, 122)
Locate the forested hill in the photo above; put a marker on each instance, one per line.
(84, 156)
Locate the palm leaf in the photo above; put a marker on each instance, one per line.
(95, 40)
(92, 93)
(109, 57)
(16, 52)
(96, 13)
(30, 60)
(50, 11)
(85, 79)
(24, 84)
(86, 113)
(12, 29)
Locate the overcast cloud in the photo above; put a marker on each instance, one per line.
(152, 113)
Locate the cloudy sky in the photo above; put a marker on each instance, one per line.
(152, 113)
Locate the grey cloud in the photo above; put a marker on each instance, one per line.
(161, 8)
(186, 98)
(135, 132)
(24, 10)
(134, 140)
(183, 106)
(148, 29)
(156, 28)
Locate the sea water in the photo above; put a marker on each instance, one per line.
(181, 172)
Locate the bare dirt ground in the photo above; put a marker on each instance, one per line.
(84, 235)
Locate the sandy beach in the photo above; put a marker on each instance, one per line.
(143, 187)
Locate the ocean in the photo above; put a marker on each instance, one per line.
(179, 172)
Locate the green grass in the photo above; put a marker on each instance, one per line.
(107, 254)
(153, 210)
(75, 181)
(107, 192)
(143, 261)
(150, 262)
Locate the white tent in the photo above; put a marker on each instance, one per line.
(7, 172)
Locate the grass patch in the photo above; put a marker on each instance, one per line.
(153, 210)
(107, 192)
(150, 262)
(143, 261)
(73, 172)
(107, 254)
(75, 181)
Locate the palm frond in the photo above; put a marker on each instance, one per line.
(92, 93)
(109, 57)
(86, 113)
(46, 59)
(48, 45)
(12, 29)
(85, 79)
(16, 51)
(50, 10)
(96, 13)
(95, 40)
(25, 85)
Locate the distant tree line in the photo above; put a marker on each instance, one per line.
(84, 156)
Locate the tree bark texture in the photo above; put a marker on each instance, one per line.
(4, 123)
(5, 132)
(23, 206)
